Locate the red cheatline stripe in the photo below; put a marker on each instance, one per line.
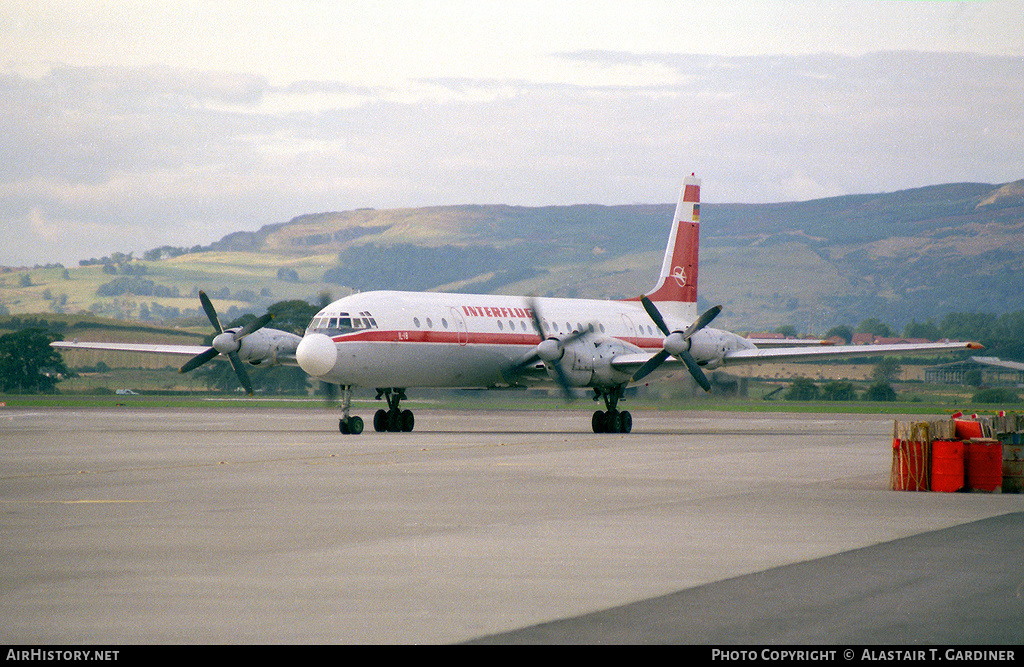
(453, 338)
(691, 193)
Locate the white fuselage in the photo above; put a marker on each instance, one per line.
(425, 339)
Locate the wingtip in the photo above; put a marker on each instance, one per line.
(975, 346)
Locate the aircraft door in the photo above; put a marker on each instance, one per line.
(628, 323)
(460, 326)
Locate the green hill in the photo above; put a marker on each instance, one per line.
(915, 254)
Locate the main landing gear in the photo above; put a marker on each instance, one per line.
(393, 419)
(611, 421)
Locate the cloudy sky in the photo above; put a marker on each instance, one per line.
(130, 125)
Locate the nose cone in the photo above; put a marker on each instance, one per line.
(549, 350)
(225, 343)
(316, 354)
(675, 344)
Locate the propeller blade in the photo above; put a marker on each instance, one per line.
(211, 312)
(652, 311)
(650, 365)
(695, 370)
(702, 321)
(255, 325)
(198, 360)
(243, 377)
(535, 314)
(563, 381)
(330, 392)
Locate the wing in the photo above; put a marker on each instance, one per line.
(184, 350)
(825, 352)
(630, 363)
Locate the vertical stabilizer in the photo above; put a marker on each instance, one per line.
(676, 291)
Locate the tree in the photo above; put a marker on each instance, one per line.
(875, 327)
(787, 330)
(926, 330)
(292, 315)
(880, 392)
(802, 389)
(887, 370)
(996, 395)
(28, 364)
(842, 331)
(838, 391)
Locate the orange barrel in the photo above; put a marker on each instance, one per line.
(967, 429)
(1013, 463)
(947, 465)
(984, 464)
(908, 461)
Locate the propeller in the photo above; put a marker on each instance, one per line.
(226, 343)
(330, 392)
(550, 350)
(677, 344)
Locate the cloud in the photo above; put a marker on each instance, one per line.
(143, 157)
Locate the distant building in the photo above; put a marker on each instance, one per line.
(994, 372)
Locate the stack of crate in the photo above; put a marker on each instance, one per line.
(982, 454)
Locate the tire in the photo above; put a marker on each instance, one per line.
(408, 420)
(380, 421)
(394, 421)
(625, 422)
(612, 421)
(597, 422)
(355, 425)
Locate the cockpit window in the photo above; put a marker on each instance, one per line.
(337, 324)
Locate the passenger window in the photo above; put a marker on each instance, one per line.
(416, 321)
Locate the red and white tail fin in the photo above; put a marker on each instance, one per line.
(676, 291)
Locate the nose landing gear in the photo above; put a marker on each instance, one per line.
(348, 424)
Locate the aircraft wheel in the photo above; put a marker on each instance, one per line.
(380, 421)
(625, 422)
(408, 420)
(597, 422)
(611, 421)
(355, 425)
(351, 426)
(394, 421)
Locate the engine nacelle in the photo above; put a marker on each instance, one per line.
(258, 348)
(577, 364)
(709, 346)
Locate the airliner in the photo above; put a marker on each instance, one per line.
(393, 341)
